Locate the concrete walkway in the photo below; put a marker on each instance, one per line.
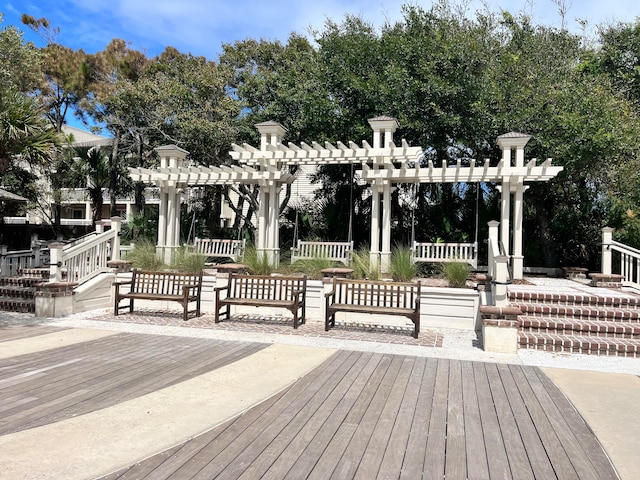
(607, 401)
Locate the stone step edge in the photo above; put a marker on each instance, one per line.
(595, 313)
(588, 328)
(573, 299)
(577, 344)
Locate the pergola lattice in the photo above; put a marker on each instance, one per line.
(383, 163)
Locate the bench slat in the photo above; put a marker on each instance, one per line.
(264, 290)
(368, 296)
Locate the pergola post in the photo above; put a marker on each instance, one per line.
(607, 238)
(374, 250)
(171, 157)
(511, 234)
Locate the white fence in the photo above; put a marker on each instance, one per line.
(11, 263)
(336, 251)
(625, 260)
(81, 262)
(445, 252)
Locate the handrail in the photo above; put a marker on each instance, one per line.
(627, 261)
(81, 262)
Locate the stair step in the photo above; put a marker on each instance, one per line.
(583, 328)
(629, 301)
(582, 312)
(8, 304)
(620, 347)
(27, 282)
(16, 292)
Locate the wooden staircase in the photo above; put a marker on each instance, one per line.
(586, 320)
(17, 294)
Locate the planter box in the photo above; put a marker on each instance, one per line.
(445, 307)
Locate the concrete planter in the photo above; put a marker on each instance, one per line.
(445, 307)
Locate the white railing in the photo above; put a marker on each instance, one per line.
(627, 259)
(81, 262)
(445, 252)
(12, 263)
(336, 251)
(219, 247)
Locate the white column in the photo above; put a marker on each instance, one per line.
(263, 223)
(505, 214)
(385, 255)
(162, 220)
(518, 214)
(171, 224)
(493, 242)
(607, 238)
(176, 226)
(375, 226)
(274, 231)
(116, 224)
(87, 210)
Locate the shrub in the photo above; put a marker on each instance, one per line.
(313, 267)
(361, 264)
(401, 267)
(144, 256)
(189, 262)
(456, 273)
(258, 263)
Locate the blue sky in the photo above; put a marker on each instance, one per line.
(201, 26)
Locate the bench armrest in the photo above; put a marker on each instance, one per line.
(329, 294)
(123, 282)
(219, 289)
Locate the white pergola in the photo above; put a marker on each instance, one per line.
(382, 164)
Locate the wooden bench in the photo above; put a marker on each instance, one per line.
(336, 251)
(219, 248)
(445, 252)
(184, 288)
(373, 297)
(264, 291)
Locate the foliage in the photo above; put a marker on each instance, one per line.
(456, 273)
(401, 267)
(140, 226)
(313, 267)
(258, 263)
(185, 261)
(144, 256)
(362, 267)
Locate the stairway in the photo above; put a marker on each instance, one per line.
(17, 294)
(580, 319)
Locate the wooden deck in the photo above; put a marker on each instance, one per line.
(359, 415)
(372, 416)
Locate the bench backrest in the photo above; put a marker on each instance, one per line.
(265, 287)
(445, 252)
(336, 251)
(220, 247)
(373, 293)
(162, 283)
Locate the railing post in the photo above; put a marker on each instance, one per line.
(116, 225)
(501, 276)
(4, 267)
(35, 251)
(99, 226)
(55, 262)
(493, 240)
(607, 238)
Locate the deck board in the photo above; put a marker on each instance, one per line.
(358, 415)
(366, 415)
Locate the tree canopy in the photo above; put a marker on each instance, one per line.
(455, 81)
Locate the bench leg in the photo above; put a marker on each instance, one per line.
(131, 305)
(115, 307)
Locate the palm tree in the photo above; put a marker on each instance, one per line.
(24, 132)
(95, 167)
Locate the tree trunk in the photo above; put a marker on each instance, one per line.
(547, 246)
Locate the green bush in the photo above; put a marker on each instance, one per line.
(189, 262)
(144, 256)
(313, 267)
(401, 267)
(456, 273)
(361, 264)
(257, 263)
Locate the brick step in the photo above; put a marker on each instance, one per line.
(35, 272)
(614, 301)
(618, 347)
(16, 292)
(27, 282)
(584, 328)
(21, 305)
(579, 312)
